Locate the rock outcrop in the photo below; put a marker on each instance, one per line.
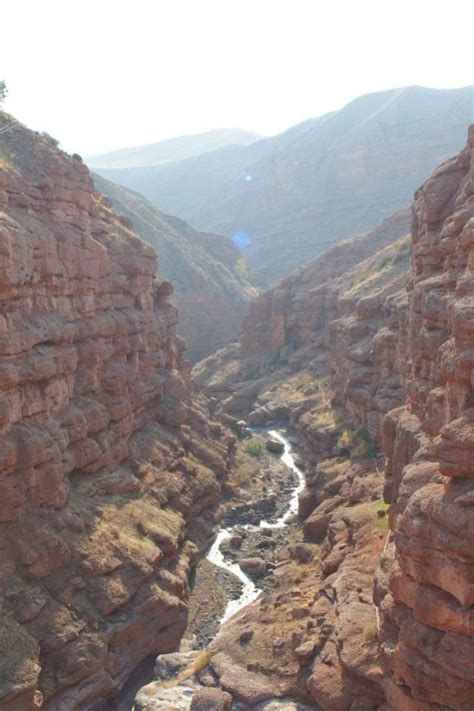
(425, 588)
(109, 469)
(284, 198)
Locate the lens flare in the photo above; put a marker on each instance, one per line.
(241, 239)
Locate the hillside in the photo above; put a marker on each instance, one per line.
(210, 279)
(173, 149)
(324, 179)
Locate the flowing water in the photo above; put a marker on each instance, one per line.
(250, 591)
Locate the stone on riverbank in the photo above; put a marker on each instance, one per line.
(254, 567)
(211, 700)
(275, 446)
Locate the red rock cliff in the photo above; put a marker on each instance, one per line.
(425, 589)
(109, 471)
(342, 316)
(394, 343)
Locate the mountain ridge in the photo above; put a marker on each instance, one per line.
(172, 149)
(324, 179)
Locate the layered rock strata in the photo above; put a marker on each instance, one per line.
(426, 586)
(343, 316)
(109, 469)
(392, 346)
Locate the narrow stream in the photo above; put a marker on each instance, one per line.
(250, 591)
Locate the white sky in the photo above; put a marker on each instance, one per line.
(103, 74)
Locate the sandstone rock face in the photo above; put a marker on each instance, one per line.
(426, 593)
(109, 471)
(343, 316)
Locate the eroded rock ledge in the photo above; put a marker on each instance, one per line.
(425, 589)
(109, 469)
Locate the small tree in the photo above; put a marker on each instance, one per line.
(3, 91)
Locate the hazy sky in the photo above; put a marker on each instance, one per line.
(103, 74)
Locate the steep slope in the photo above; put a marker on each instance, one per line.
(210, 279)
(318, 182)
(110, 472)
(173, 149)
(425, 590)
(317, 366)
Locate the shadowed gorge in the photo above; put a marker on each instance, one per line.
(212, 283)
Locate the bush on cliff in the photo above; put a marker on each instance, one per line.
(3, 91)
(359, 443)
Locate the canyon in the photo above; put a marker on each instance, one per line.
(383, 347)
(116, 470)
(212, 285)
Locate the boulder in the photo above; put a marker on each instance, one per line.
(254, 567)
(211, 700)
(274, 445)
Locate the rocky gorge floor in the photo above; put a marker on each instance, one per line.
(316, 577)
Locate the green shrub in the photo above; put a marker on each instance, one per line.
(382, 521)
(359, 444)
(254, 447)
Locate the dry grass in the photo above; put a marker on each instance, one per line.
(130, 529)
(384, 266)
(200, 663)
(370, 631)
(331, 468)
(18, 651)
(382, 521)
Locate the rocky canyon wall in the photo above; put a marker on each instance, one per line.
(425, 588)
(109, 469)
(343, 316)
(382, 328)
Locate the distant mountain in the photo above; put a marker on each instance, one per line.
(210, 278)
(173, 149)
(290, 196)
